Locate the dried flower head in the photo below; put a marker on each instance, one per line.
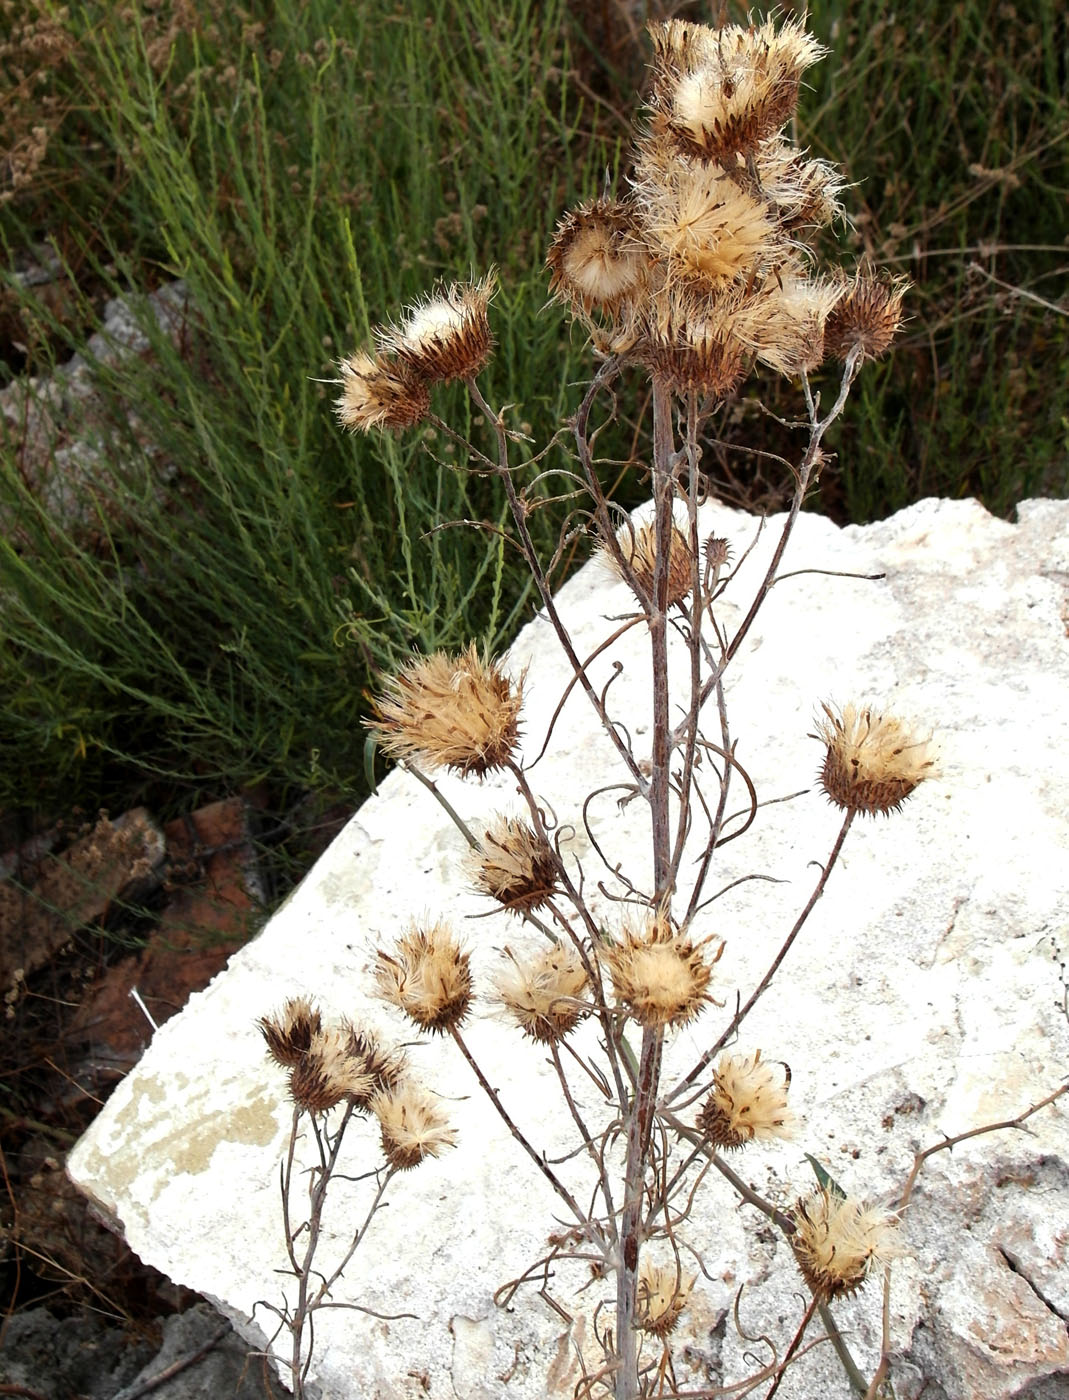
(385, 1068)
(659, 973)
(748, 1101)
(838, 1241)
(687, 342)
(596, 259)
(544, 994)
(380, 392)
(454, 712)
(516, 866)
(663, 1291)
(867, 317)
(704, 224)
(413, 1127)
(289, 1033)
(638, 547)
(782, 320)
(327, 1073)
(733, 89)
(446, 336)
(873, 761)
(428, 976)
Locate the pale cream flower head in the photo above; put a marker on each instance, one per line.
(659, 974)
(447, 335)
(838, 1241)
(516, 865)
(596, 260)
(873, 761)
(663, 1290)
(747, 1103)
(328, 1072)
(379, 391)
(413, 1126)
(705, 226)
(736, 88)
(455, 712)
(428, 977)
(545, 993)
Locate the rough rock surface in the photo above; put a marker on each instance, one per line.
(926, 996)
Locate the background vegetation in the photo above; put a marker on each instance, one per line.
(206, 616)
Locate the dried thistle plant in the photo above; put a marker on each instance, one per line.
(698, 270)
(338, 1073)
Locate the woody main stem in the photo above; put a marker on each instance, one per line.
(649, 1073)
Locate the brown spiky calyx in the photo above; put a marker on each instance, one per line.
(873, 762)
(428, 976)
(327, 1073)
(638, 546)
(596, 260)
(289, 1032)
(838, 1241)
(516, 866)
(663, 1291)
(866, 318)
(748, 1102)
(455, 712)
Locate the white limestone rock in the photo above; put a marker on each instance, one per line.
(925, 996)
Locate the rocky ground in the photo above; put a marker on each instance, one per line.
(106, 928)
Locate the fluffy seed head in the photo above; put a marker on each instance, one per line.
(544, 994)
(659, 974)
(327, 1073)
(707, 227)
(748, 1101)
(453, 712)
(873, 762)
(413, 1127)
(638, 547)
(516, 866)
(447, 336)
(380, 392)
(596, 261)
(663, 1291)
(867, 316)
(289, 1032)
(428, 976)
(782, 320)
(838, 1241)
(736, 89)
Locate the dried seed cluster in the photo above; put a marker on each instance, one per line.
(838, 1241)
(455, 712)
(638, 548)
(663, 1291)
(428, 977)
(701, 266)
(872, 762)
(516, 866)
(545, 994)
(446, 336)
(328, 1064)
(659, 973)
(748, 1102)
